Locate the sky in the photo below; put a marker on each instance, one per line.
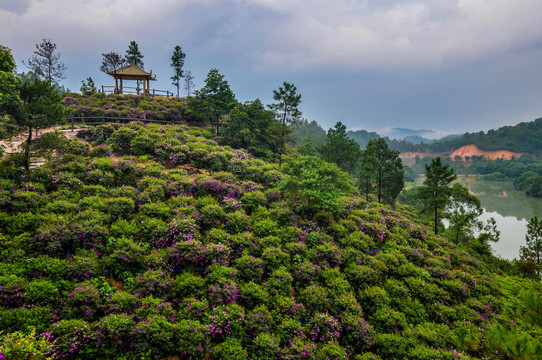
(449, 66)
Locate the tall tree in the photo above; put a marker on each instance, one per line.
(533, 240)
(462, 211)
(45, 63)
(215, 99)
(177, 63)
(134, 56)
(41, 107)
(368, 169)
(392, 177)
(248, 126)
(435, 189)
(389, 170)
(10, 102)
(188, 83)
(340, 149)
(112, 61)
(87, 86)
(286, 112)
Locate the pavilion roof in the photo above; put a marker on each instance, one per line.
(132, 72)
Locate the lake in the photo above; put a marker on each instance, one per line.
(511, 209)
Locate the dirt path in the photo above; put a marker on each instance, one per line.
(13, 145)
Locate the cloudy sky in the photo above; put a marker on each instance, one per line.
(445, 65)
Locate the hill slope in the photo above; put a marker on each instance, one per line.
(148, 241)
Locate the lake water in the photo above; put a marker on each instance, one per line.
(510, 208)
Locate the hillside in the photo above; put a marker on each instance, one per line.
(152, 241)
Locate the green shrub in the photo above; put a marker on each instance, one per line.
(121, 207)
(252, 294)
(231, 349)
(388, 320)
(249, 268)
(251, 200)
(315, 298)
(280, 283)
(188, 284)
(331, 351)
(258, 320)
(265, 346)
(274, 258)
(192, 339)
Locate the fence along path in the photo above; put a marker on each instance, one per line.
(103, 119)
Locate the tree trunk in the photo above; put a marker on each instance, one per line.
(27, 150)
(436, 219)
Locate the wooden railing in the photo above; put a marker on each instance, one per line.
(135, 91)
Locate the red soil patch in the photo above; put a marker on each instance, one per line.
(473, 150)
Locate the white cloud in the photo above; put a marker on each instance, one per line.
(398, 34)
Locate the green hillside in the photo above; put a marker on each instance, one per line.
(147, 241)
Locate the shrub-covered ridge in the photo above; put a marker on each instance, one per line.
(177, 246)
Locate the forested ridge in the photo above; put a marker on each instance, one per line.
(525, 137)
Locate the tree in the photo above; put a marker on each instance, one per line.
(314, 185)
(392, 177)
(368, 169)
(112, 61)
(533, 239)
(435, 189)
(389, 170)
(286, 112)
(134, 56)
(215, 98)
(177, 63)
(41, 107)
(462, 211)
(248, 126)
(87, 86)
(340, 149)
(188, 83)
(45, 63)
(10, 102)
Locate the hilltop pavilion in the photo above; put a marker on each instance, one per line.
(132, 72)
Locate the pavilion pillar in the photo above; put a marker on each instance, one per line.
(121, 91)
(116, 86)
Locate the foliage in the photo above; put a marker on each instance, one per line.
(177, 63)
(286, 112)
(213, 249)
(436, 190)
(340, 149)
(532, 251)
(45, 63)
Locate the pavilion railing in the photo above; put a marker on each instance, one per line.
(135, 91)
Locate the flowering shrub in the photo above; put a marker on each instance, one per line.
(153, 282)
(226, 321)
(202, 243)
(258, 320)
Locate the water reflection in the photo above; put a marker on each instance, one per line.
(511, 208)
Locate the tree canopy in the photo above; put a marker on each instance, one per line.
(436, 190)
(46, 62)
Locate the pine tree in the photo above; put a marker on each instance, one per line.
(133, 55)
(177, 63)
(435, 189)
(286, 112)
(45, 63)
